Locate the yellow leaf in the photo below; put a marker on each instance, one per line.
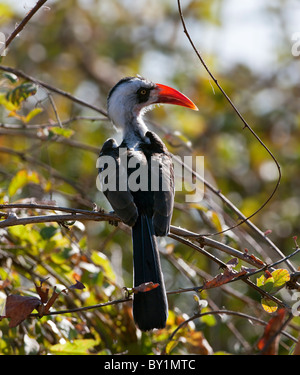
(32, 114)
(281, 276)
(79, 347)
(7, 104)
(209, 320)
(22, 178)
(268, 305)
(6, 13)
(67, 133)
(214, 217)
(171, 345)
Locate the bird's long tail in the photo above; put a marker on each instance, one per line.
(150, 309)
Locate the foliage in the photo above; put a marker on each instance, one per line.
(49, 144)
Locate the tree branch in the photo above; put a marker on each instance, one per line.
(49, 87)
(246, 125)
(225, 312)
(84, 308)
(86, 215)
(53, 172)
(23, 23)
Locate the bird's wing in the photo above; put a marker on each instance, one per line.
(163, 197)
(110, 176)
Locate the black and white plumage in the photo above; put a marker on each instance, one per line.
(146, 207)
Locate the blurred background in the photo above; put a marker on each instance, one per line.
(84, 47)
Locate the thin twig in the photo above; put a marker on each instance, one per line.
(84, 308)
(225, 312)
(19, 73)
(206, 241)
(199, 249)
(229, 204)
(223, 265)
(47, 125)
(180, 234)
(53, 172)
(84, 215)
(23, 23)
(207, 184)
(13, 220)
(246, 125)
(177, 233)
(55, 110)
(44, 138)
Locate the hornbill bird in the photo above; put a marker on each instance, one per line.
(141, 191)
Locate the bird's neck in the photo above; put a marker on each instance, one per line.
(130, 122)
(134, 131)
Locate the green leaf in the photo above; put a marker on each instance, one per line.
(210, 320)
(101, 260)
(280, 276)
(67, 133)
(10, 76)
(21, 92)
(48, 232)
(265, 283)
(76, 347)
(24, 236)
(274, 283)
(61, 256)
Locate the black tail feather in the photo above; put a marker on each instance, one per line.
(150, 309)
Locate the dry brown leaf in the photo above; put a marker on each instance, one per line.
(228, 275)
(270, 330)
(145, 287)
(77, 285)
(42, 292)
(297, 348)
(51, 301)
(4, 283)
(198, 344)
(18, 308)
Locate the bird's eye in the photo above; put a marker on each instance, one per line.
(143, 94)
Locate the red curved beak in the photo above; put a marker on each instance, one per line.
(169, 95)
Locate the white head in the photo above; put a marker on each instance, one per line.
(129, 99)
